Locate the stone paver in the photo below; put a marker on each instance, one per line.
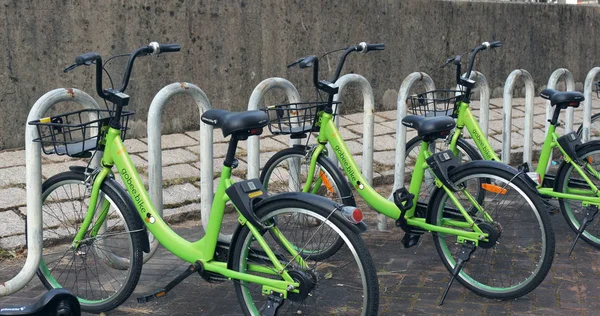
(180, 171)
(175, 140)
(185, 212)
(384, 142)
(12, 176)
(11, 197)
(12, 158)
(135, 146)
(11, 224)
(175, 156)
(181, 193)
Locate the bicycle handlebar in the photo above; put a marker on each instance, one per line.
(313, 61)
(483, 46)
(87, 59)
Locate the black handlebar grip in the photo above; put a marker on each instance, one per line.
(495, 44)
(167, 48)
(86, 58)
(307, 61)
(380, 46)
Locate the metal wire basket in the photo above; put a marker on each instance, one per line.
(435, 103)
(294, 118)
(75, 133)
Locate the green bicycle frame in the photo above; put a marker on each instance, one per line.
(466, 119)
(202, 250)
(328, 133)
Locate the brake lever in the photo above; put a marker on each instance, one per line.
(70, 68)
(295, 63)
(449, 60)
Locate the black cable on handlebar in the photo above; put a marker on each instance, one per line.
(338, 70)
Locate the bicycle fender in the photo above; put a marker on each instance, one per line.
(137, 220)
(494, 164)
(323, 205)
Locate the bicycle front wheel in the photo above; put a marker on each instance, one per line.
(344, 283)
(103, 270)
(520, 250)
(568, 180)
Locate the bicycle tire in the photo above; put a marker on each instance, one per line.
(64, 204)
(344, 283)
(573, 210)
(522, 255)
(334, 185)
(594, 127)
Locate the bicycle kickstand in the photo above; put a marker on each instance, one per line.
(465, 253)
(274, 301)
(591, 212)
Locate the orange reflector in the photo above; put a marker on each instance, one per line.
(590, 160)
(160, 294)
(493, 188)
(326, 181)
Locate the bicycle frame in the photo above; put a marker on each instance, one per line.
(328, 132)
(202, 250)
(466, 119)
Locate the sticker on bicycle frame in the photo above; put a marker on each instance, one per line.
(150, 219)
(255, 194)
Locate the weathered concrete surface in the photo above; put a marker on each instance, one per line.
(228, 47)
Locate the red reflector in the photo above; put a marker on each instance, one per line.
(573, 103)
(256, 131)
(357, 215)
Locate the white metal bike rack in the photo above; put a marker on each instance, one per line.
(155, 152)
(399, 164)
(507, 114)
(368, 122)
(33, 161)
(255, 100)
(587, 103)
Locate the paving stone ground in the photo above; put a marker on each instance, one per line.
(411, 280)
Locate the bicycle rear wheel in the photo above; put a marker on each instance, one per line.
(519, 255)
(343, 283)
(103, 270)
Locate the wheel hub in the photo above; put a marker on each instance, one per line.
(494, 231)
(307, 282)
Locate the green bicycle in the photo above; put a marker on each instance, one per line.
(484, 213)
(95, 230)
(577, 182)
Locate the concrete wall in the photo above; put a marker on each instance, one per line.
(228, 47)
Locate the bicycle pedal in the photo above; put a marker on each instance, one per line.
(403, 199)
(410, 239)
(150, 297)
